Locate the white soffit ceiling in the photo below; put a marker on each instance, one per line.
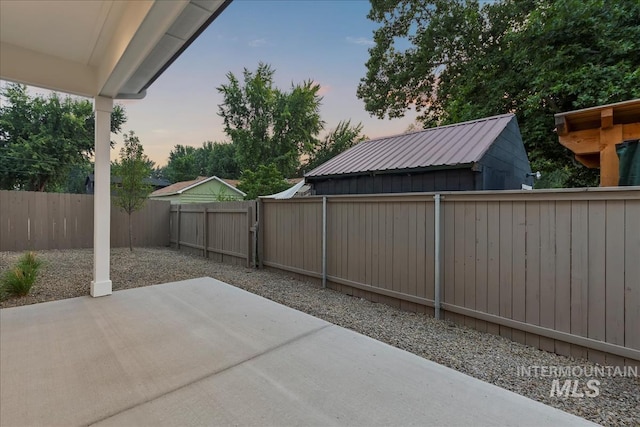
(110, 48)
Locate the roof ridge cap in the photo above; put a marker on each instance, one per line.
(484, 119)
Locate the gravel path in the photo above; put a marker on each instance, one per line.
(67, 274)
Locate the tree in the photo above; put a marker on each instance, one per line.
(187, 163)
(455, 60)
(42, 139)
(219, 159)
(182, 164)
(340, 139)
(158, 172)
(76, 178)
(268, 125)
(265, 180)
(133, 167)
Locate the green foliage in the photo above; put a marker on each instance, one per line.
(19, 280)
(158, 172)
(43, 139)
(225, 196)
(457, 60)
(265, 180)
(553, 179)
(16, 282)
(219, 159)
(343, 137)
(74, 181)
(268, 125)
(133, 167)
(182, 164)
(187, 163)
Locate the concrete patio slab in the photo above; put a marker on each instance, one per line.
(201, 352)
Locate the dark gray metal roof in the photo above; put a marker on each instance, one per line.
(445, 146)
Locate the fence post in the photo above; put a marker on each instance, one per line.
(260, 233)
(205, 232)
(178, 229)
(255, 239)
(324, 241)
(249, 238)
(436, 269)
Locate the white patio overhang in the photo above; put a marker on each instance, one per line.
(103, 49)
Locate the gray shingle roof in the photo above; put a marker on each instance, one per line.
(457, 144)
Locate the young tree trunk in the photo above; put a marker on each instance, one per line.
(130, 232)
(41, 184)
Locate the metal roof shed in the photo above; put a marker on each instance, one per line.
(485, 154)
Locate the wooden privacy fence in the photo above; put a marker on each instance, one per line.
(558, 270)
(223, 231)
(40, 221)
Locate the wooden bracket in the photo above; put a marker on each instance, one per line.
(562, 126)
(606, 118)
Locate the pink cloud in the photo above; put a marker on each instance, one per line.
(324, 89)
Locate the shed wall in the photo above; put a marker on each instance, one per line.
(437, 180)
(505, 165)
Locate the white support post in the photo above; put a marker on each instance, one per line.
(101, 284)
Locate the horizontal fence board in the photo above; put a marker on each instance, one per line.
(571, 194)
(554, 269)
(546, 332)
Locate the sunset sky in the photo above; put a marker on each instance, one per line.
(322, 40)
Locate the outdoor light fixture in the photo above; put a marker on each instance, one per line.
(536, 175)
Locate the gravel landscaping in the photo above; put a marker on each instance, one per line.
(67, 274)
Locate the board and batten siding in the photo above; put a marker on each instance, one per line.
(41, 221)
(536, 267)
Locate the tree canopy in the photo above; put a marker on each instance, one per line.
(182, 165)
(187, 163)
(265, 180)
(456, 60)
(343, 137)
(43, 139)
(268, 125)
(270, 131)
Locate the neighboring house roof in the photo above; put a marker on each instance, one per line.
(155, 182)
(181, 187)
(445, 146)
(232, 182)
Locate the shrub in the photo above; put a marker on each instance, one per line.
(3, 292)
(29, 263)
(19, 280)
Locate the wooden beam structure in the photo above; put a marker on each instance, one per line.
(592, 135)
